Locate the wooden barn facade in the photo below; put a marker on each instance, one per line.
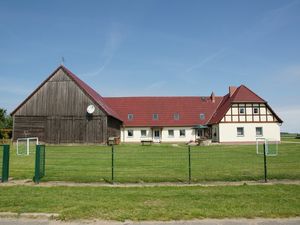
(56, 112)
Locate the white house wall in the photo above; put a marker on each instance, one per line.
(164, 134)
(228, 132)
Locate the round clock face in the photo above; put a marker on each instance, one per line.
(90, 109)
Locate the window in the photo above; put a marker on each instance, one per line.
(130, 116)
(240, 131)
(255, 110)
(176, 116)
(202, 116)
(130, 133)
(182, 133)
(171, 133)
(259, 131)
(143, 133)
(155, 116)
(242, 110)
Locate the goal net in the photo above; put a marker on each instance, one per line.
(26, 145)
(271, 146)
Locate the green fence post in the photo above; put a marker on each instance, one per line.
(5, 163)
(265, 163)
(36, 177)
(190, 166)
(112, 164)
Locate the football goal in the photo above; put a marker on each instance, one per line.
(271, 146)
(26, 145)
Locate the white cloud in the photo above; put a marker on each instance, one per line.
(205, 60)
(113, 41)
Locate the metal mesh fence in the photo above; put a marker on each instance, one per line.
(1, 161)
(39, 163)
(133, 163)
(78, 163)
(4, 163)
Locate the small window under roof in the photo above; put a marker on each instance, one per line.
(202, 116)
(155, 116)
(176, 116)
(130, 116)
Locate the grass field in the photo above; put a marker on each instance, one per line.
(154, 203)
(159, 163)
(290, 137)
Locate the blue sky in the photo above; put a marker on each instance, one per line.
(149, 47)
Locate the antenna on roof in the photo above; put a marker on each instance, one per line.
(62, 61)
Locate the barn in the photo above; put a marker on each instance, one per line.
(64, 109)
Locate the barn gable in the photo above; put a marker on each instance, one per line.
(56, 112)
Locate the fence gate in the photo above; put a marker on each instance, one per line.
(40, 156)
(4, 162)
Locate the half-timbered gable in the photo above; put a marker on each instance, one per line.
(249, 112)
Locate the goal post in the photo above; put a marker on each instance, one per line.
(24, 145)
(271, 146)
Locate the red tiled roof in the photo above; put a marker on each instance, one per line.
(143, 108)
(244, 94)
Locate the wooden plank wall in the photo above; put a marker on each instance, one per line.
(57, 114)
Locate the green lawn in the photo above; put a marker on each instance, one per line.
(293, 139)
(159, 163)
(154, 203)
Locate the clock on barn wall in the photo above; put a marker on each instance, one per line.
(90, 109)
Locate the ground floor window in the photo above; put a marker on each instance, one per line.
(171, 133)
(259, 131)
(130, 133)
(143, 133)
(240, 131)
(182, 133)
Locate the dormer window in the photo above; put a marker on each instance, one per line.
(130, 116)
(176, 116)
(155, 116)
(202, 116)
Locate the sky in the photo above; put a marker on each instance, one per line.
(155, 48)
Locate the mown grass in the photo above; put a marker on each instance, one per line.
(159, 163)
(154, 203)
(292, 139)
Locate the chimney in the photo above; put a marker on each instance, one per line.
(212, 97)
(232, 89)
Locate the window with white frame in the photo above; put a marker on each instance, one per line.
(242, 110)
(182, 133)
(143, 133)
(255, 110)
(155, 116)
(130, 116)
(171, 133)
(176, 116)
(240, 131)
(130, 133)
(202, 116)
(259, 131)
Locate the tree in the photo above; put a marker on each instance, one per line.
(6, 122)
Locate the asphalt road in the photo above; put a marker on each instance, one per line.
(288, 221)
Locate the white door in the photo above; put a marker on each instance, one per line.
(156, 135)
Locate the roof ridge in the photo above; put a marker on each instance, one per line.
(87, 89)
(160, 96)
(237, 90)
